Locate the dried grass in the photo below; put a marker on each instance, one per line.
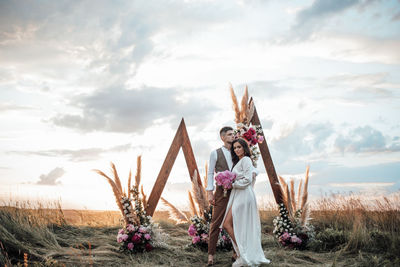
(174, 213)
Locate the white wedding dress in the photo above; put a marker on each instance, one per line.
(246, 221)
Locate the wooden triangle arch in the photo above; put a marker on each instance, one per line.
(181, 139)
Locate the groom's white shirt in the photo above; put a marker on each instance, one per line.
(211, 166)
(213, 161)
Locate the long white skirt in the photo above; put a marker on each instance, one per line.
(246, 227)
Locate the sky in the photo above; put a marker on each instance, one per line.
(83, 83)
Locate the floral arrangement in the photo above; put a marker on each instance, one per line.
(199, 230)
(243, 115)
(284, 230)
(139, 233)
(200, 216)
(252, 136)
(225, 179)
(135, 238)
(292, 228)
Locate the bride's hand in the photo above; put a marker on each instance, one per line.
(211, 197)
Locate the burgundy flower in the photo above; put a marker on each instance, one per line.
(148, 247)
(136, 239)
(252, 131)
(247, 136)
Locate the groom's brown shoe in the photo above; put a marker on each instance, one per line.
(234, 257)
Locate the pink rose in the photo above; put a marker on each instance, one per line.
(204, 236)
(147, 236)
(121, 231)
(130, 228)
(196, 239)
(192, 230)
(122, 237)
(142, 229)
(285, 236)
(295, 239)
(130, 246)
(260, 139)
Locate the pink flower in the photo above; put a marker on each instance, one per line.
(204, 236)
(295, 239)
(196, 239)
(147, 236)
(124, 237)
(130, 246)
(285, 236)
(192, 230)
(142, 229)
(130, 228)
(260, 139)
(121, 231)
(225, 179)
(136, 238)
(224, 238)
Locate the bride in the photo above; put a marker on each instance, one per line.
(241, 219)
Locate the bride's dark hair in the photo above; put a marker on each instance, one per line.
(246, 148)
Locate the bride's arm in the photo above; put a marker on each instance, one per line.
(247, 175)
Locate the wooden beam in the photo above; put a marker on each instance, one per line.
(165, 171)
(269, 165)
(181, 139)
(189, 156)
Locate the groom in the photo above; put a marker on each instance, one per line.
(220, 160)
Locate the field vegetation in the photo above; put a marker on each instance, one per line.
(350, 231)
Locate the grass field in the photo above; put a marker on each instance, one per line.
(349, 233)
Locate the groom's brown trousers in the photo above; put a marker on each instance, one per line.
(217, 216)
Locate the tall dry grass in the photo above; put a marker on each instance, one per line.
(350, 228)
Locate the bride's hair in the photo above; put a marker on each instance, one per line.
(246, 148)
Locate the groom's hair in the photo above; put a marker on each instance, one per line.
(224, 130)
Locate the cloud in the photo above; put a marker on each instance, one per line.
(264, 89)
(313, 17)
(79, 155)
(396, 17)
(303, 139)
(5, 107)
(116, 109)
(378, 184)
(101, 43)
(51, 177)
(365, 139)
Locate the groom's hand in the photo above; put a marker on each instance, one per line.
(211, 198)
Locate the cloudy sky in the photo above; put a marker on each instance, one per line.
(83, 83)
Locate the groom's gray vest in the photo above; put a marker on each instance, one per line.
(221, 164)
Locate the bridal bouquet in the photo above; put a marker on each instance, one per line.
(225, 179)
